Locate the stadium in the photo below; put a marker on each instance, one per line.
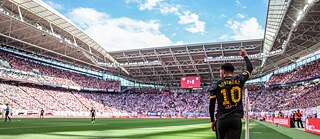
(54, 76)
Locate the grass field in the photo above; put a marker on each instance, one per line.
(135, 128)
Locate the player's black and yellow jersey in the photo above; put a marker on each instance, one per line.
(228, 93)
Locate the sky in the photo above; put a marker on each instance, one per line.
(133, 24)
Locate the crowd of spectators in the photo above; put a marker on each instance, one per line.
(285, 98)
(152, 102)
(308, 70)
(28, 97)
(18, 98)
(53, 75)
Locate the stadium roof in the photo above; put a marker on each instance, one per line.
(293, 26)
(186, 60)
(35, 22)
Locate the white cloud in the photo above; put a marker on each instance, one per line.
(193, 22)
(119, 33)
(188, 18)
(149, 4)
(86, 17)
(238, 3)
(54, 5)
(166, 8)
(242, 30)
(197, 27)
(241, 15)
(193, 25)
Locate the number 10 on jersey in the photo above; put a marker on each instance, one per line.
(226, 99)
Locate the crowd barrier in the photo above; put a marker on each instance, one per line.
(280, 121)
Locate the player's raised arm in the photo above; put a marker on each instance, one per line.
(249, 68)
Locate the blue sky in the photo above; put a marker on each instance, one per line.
(132, 24)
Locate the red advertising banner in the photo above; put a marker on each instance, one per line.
(190, 82)
(313, 125)
(282, 121)
(269, 120)
(165, 117)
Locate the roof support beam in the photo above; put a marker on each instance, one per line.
(191, 59)
(177, 62)
(206, 55)
(129, 61)
(300, 47)
(288, 57)
(155, 73)
(162, 63)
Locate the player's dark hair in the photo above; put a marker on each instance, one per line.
(228, 67)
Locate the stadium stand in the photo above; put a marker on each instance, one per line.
(299, 73)
(53, 75)
(294, 97)
(35, 98)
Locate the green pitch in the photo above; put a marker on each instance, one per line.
(134, 128)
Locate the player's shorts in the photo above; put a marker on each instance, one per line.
(41, 114)
(7, 113)
(229, 128)
(93, 115)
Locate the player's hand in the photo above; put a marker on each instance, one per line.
(213, 126)
(243, 53)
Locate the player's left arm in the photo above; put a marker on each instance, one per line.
(211, 110)
(212, 106)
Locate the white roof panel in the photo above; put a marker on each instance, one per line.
(276, 12)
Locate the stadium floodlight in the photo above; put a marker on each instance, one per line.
(299, 17)
(305, 7)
